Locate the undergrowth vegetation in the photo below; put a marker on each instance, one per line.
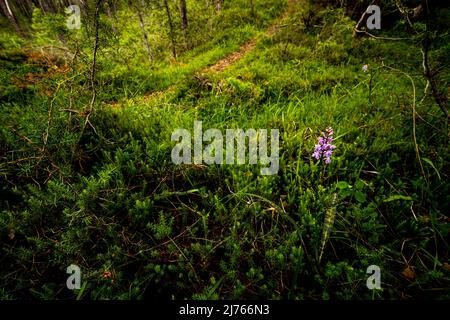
(104, 194)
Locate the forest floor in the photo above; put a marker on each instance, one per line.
(110, 199)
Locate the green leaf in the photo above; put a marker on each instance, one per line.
(398, 197)
(345, 193)
(342, 185)
(328, 224)
(359, 185)
(80, 293)
(432, 165)
(360, 197)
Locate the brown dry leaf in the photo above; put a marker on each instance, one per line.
(447, 265)
(409, 273)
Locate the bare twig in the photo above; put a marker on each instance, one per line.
(440, 99)
(416, 146)
(431, 83)
(357, 29)
(93, 67)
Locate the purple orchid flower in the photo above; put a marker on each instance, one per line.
(324, 149)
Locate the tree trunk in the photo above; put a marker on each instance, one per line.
(94, 54)
(46, 6)
(184, 22)
(219, 4)
(144, 33)
(440, 97)
(9, 14)
(27, 8)
(252, 9)
(171, 31)
(110, 16)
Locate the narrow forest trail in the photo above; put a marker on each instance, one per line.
(229, 60)
(250, 45)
